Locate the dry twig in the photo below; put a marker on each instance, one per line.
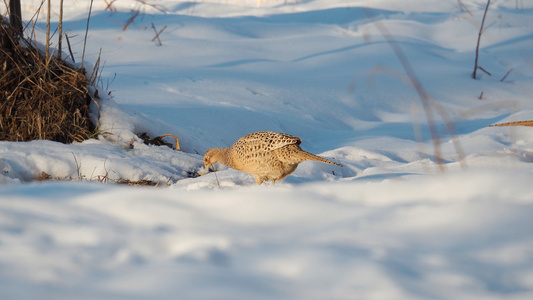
(506, 74)
(130, 20)
(157, 33)
(476, 66)
(86, 33)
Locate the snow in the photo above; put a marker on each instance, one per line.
(390, 224)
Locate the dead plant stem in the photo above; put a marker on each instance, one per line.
(77, 166)
(130, 20)
(60, 28)
(428, 104)
(424, 97)
(86, 33)
(70, 49)
(48, 32)
(216, 177)
(506, 74)
(474, 74)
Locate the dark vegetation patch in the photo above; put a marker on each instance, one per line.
(40, 98)
(158, 141)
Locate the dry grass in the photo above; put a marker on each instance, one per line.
(105, 179)
(40, 98)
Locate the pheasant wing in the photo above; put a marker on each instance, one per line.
(268, 140)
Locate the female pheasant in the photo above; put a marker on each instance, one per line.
(266, 155)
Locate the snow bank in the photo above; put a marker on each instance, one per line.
(459, 236)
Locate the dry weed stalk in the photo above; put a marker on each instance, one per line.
(476, 66)
(109, 5)
(47, 54)
(215, 172)
(464, 8)
(428, 103)
(78, 167)
(157, 33)
(143, 4)
(506, 74)
(130, 20)
(86, 33)
(60, 29)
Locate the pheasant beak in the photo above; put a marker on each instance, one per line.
(206, 170)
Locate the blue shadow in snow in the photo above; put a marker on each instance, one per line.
(51, 190)
(240, 62)
(333, 16)
(406, 131)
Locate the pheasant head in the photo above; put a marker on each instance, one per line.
(213, 156)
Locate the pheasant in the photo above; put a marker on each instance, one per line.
(266, 155)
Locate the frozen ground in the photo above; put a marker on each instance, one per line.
(388, 225)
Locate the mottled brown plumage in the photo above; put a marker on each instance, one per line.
(266, 155)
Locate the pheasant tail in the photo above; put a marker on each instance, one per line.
(518, 123)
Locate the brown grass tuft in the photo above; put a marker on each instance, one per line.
(41, 99)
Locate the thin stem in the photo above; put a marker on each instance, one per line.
(218, 182)
(48, 31)
(86, 33)
(474, 75)
(60, 28)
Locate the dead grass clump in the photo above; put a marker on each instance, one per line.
(41, 99)
(104, 179)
